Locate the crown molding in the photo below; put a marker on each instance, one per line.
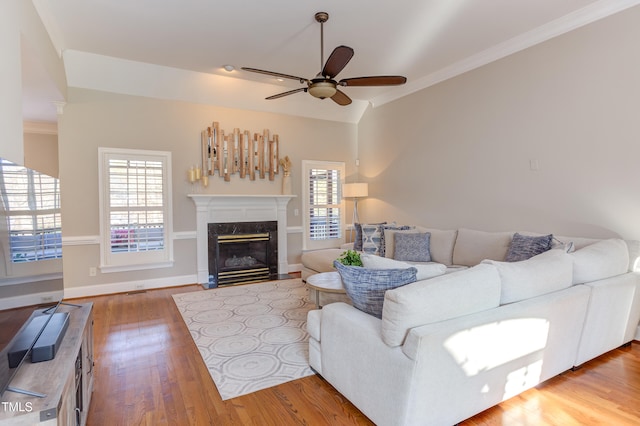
(40, 127)
(587, 15)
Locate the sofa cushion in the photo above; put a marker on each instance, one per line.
(412, 247)
(437, 299)
(472, 246)
(577, 242)
(544, 273)
(366, 287)
(566, 246)
(523, 247)
(424, 270)
(320, 260)
(634, 255)
(600, 260)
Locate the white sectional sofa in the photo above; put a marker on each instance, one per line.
(449, 347)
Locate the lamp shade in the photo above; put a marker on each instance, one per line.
(355, 190)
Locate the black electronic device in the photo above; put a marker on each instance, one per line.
(49, 341)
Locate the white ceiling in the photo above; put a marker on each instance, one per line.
(425, 40)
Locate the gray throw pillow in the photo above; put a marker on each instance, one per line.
(392, 227)
(523, 247)
(412, 246)
(366, 287)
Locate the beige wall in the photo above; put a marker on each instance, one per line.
(458, 154)
(11, 145)
(21, 30)
(95, 119)
(41, 152)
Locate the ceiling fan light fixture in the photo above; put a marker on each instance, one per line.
(322, 89)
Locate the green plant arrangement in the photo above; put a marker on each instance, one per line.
(350, 258)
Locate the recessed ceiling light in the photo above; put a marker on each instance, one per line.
(280, 79)
(229, 68)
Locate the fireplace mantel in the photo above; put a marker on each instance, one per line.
(217, 208)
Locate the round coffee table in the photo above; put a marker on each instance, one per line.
(327, 282)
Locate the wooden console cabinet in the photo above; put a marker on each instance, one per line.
(67, 380)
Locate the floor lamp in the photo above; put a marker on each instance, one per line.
(355, 191)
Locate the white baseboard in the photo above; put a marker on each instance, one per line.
(638, 333)
(123, 287)
(295, 267)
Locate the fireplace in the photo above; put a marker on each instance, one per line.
(242, 252)
(219, 209)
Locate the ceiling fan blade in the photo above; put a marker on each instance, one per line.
(290, 92)
(338, 59)
(276, 74)
(382, 80)
(340, 98)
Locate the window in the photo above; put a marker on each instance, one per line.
(135, 207)
(31, 201)
(323, 206)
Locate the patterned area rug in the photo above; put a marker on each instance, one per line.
(252, 336)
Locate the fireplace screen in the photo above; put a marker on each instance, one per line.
(242, 252)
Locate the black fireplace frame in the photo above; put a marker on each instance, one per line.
(229, 232)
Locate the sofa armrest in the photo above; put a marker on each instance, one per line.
(355, 360)
(612, 315)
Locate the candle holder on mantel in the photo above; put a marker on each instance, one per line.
(194, 175)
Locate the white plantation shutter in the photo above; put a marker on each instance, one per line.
(135, 206)
(31, 201)
(324, 209)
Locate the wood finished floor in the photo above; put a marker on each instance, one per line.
(149, 372)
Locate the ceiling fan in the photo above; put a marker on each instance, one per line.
(324, 84)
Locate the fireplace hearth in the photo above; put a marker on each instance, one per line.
(242, 252)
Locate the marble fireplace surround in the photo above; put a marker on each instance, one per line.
(215, 208)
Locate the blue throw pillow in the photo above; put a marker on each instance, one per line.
(523, 247)
(366, 287)
(357, 241)
(372, 238)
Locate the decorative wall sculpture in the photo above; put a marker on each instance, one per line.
(239, 152)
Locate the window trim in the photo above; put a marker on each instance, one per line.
(307, 243)
(127, 261)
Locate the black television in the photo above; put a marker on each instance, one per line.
(31, 282)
